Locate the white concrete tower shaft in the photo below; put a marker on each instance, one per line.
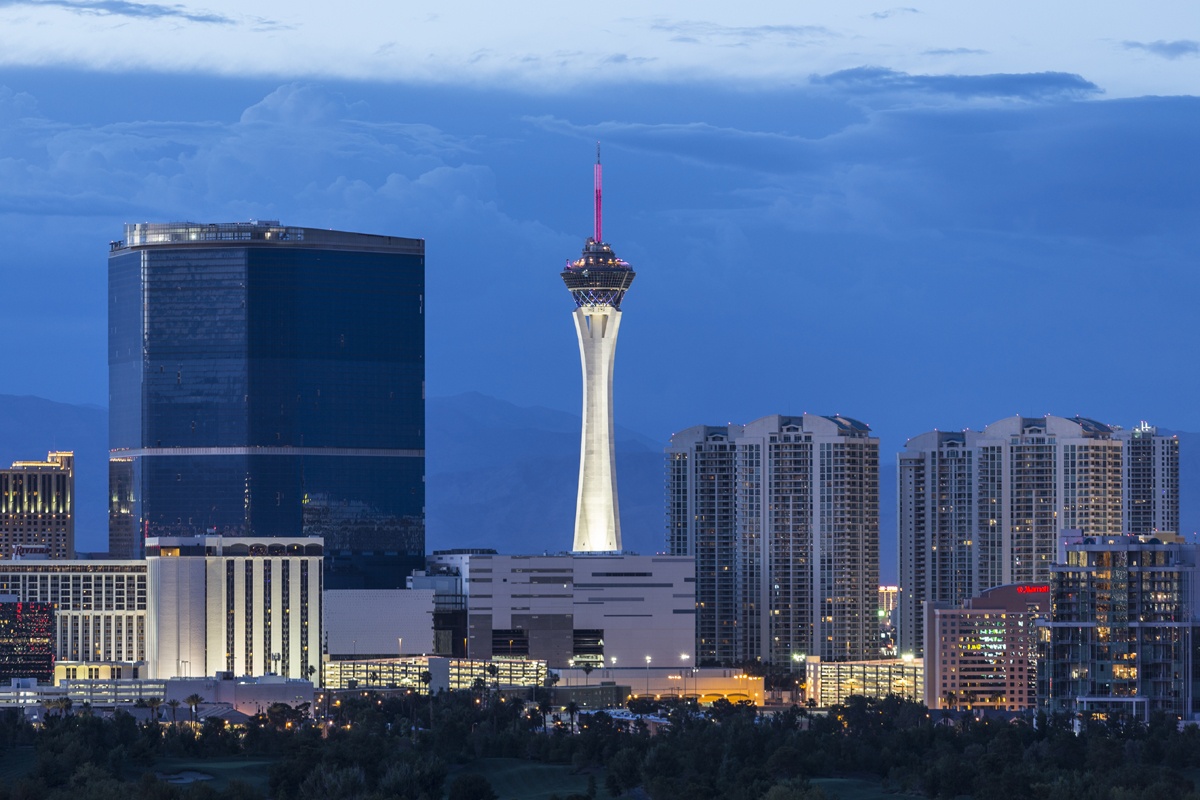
(597, 513)
(597, 281)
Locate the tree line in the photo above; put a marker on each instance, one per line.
(415, 747)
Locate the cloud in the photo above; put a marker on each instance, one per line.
(704, 32)
(954, 51)
(124, 8)
(622, 58)
(1038, 86)
(696, 142)
(1164, 49)
(893, 12)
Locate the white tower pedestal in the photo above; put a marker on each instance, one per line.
(597, 519)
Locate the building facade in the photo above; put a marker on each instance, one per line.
(597, 281)
(702, 523)
(268, 380)
(1150, 481)
(37, 506)
(983, 654)
(782, 516)
(829, 683)
(984, 509)
(238, 605)
(1120, 641)
(26, 640)
(100, 606)
(574, 609)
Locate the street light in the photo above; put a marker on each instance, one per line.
(684, 657)
(647, 676)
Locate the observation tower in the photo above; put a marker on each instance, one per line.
(598, 281)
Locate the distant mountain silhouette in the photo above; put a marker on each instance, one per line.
(498, 475)
(505, 476)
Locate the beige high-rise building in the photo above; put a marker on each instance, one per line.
(984, 509)
(37, 507)
(1150, 480)
(782, 516)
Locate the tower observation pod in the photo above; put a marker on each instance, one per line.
(598, 281)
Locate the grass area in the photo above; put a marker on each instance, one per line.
(16, 764)
(853, 789)
(515, 779)
(223, 770)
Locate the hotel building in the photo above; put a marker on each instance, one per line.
(37, 507)
(268, 380)
(983, 654)
(100, 606)
(249, 606)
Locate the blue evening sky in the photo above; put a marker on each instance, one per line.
(924, 216)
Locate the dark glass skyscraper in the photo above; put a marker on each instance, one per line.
(270, 381)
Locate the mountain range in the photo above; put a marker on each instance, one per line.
(497, 475)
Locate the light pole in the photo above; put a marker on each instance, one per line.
(647, 676)
(684, 658)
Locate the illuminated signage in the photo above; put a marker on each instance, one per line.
(1033, 588)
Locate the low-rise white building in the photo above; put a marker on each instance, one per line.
(247, 606)
(572, 609)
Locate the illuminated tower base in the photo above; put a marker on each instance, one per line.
(597, 515)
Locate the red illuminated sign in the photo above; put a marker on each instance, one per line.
(1033, 588)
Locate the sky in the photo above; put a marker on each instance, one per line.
(926, 216)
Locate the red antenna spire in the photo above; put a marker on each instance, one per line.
(598, 182)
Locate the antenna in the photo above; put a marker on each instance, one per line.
(598, 181)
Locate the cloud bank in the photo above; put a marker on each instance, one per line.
(123, 8)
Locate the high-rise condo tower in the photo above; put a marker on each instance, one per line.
(598, 281)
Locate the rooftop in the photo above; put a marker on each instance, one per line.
(258, 232)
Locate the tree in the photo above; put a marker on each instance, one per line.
(174, 704)
(193, 700)
(153, 704)
(494, 671)
(427, 679)
(587, 671)
(60, 704)
(572, 710)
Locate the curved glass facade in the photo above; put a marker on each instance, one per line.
(269, 381)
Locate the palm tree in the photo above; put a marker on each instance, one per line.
(60, 704)
(587, 671)
(544, 708)
(174, 704)
(494, 671)
(193, 700)
(572, 710)
(427, 678)
(153, 703)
